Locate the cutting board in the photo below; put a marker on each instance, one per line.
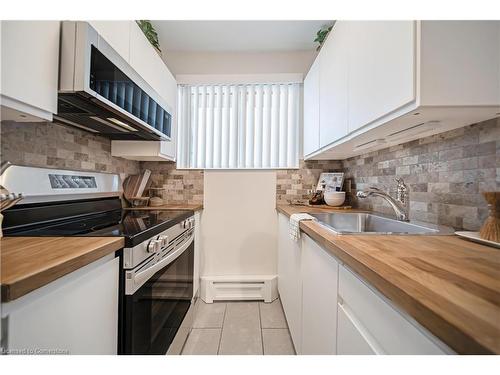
(135, 185)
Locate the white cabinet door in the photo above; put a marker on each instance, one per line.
(289, 281)
(333, 84)
(77, 313)
(197, 253)
(350, 339)
(146, 61)
(381, 69)
(30, 68)
(387, 329)
(117, 34)
(169, 148)
(466, 71)
(319, 299)
(311, 109)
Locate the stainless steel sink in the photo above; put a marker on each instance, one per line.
(368, 223)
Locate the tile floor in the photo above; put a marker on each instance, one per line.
(239, 328)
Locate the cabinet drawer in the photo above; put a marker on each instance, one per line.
(351, 339)
(389, 329)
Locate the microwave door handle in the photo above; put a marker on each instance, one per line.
(140, 278)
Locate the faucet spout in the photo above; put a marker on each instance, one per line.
(400, 204)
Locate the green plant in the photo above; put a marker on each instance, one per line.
(150, 32)
(321, 35)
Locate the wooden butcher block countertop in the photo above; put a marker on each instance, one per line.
(449, 285)
(28, 263)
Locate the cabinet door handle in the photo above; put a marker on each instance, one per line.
(370, 340)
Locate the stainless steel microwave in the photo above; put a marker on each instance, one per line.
(100, 92)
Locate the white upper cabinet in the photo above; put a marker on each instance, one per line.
(144, 59)
(460, 63)
(311, 109)
(126, 38)
(383, 83)
(170, 148)
(29, 69)
(117, 34)
(148, 63)
(333, 85)
(381, 69)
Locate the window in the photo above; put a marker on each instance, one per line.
(238, 126)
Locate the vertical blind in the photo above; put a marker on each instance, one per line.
(238, 126)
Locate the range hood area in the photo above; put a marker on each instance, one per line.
(100, 92)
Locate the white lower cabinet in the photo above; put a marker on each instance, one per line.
(330, 310)
(197, 253)
(289, 281)
(75, 314)
(386, 330)
(351, 339)
(319, 299)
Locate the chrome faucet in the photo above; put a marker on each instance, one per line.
(400, 204)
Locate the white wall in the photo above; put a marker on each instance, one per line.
(239, 220)
(239, 223)
(239, 62)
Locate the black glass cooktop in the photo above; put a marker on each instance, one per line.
(138, 225)
(100, 219)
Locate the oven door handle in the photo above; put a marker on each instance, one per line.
(137, 280)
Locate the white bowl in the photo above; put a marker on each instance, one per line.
(334, 198)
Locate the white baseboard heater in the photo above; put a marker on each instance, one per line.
(239, 288)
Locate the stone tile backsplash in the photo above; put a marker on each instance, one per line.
(53, 145)
(45, 144)
(181, 186)
(294, 185)
(446, 173)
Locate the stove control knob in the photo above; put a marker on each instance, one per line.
(154, 246)
(163, 240)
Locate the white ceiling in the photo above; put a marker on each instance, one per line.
(237, 35)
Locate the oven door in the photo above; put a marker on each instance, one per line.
(154, 313)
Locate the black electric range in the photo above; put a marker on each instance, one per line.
(101, 217)
(156, 282)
